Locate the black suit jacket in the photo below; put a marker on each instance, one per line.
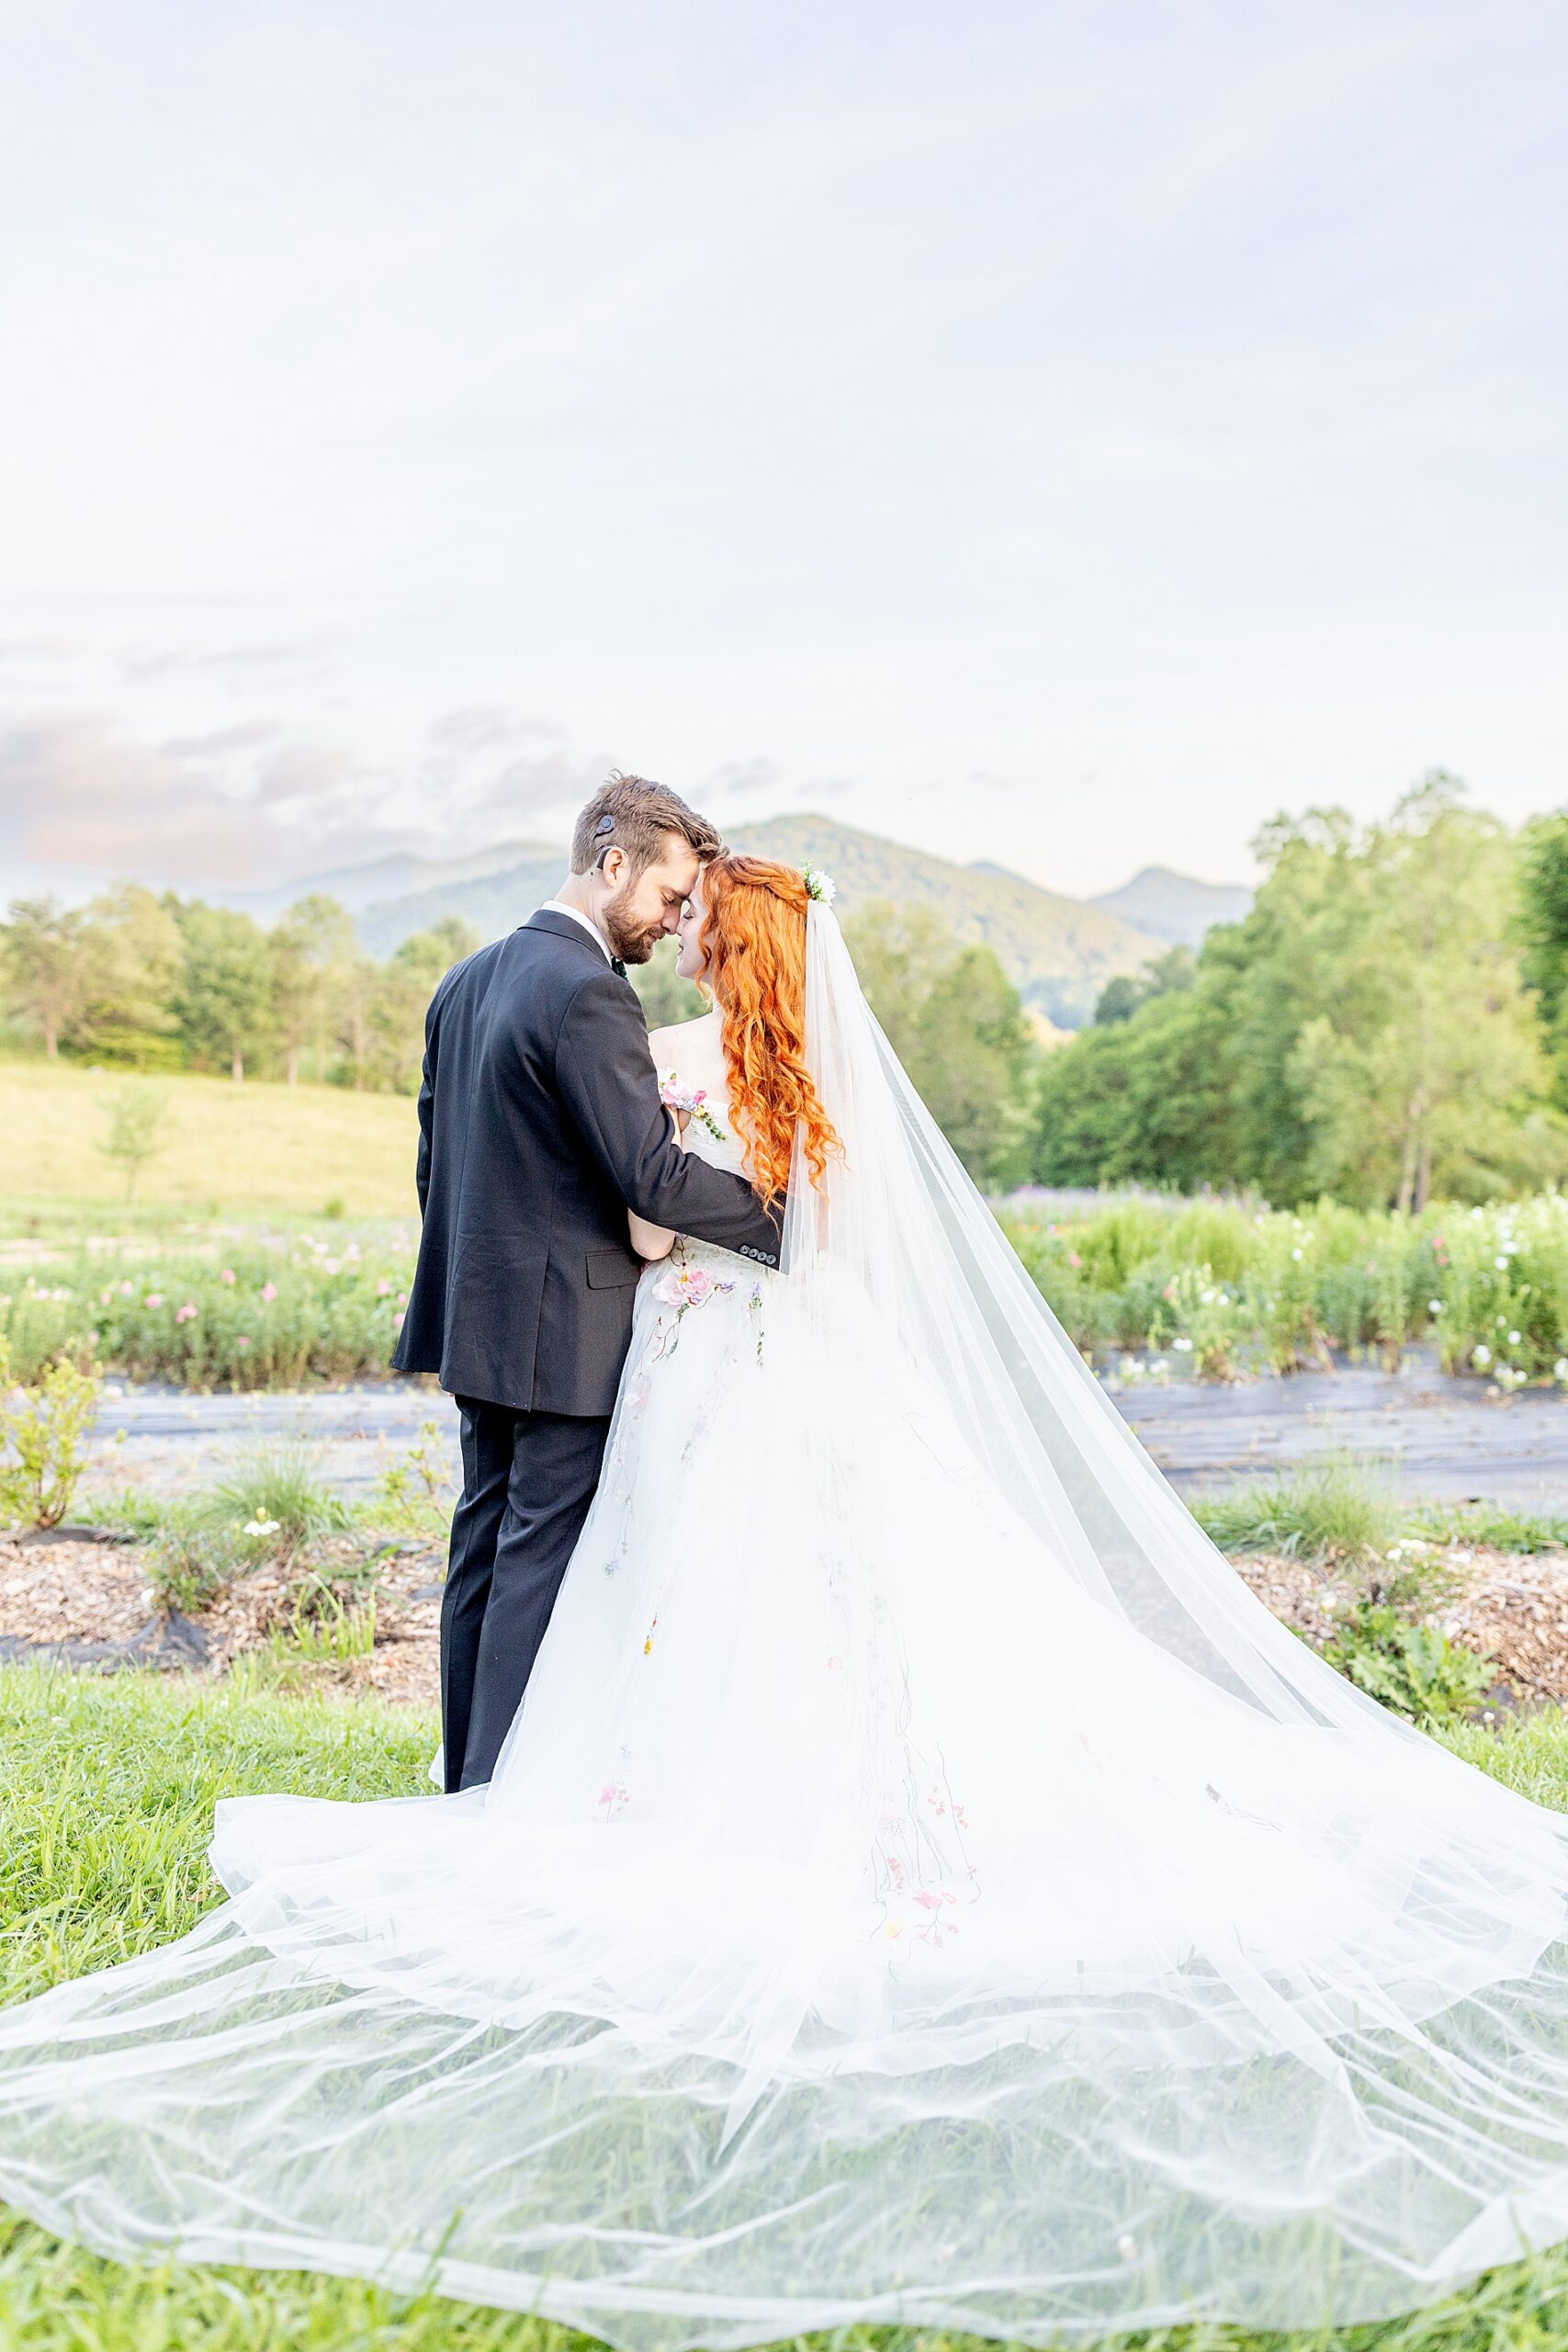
(540, 1123)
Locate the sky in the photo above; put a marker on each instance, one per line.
(1060, 434)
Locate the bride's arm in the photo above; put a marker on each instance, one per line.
(655, 1241)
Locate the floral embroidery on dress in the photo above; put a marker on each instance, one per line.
(680, 1287)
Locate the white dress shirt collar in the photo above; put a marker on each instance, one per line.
(559, 907)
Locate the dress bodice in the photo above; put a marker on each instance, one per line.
(695, 1051)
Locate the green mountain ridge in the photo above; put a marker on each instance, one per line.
(1058, 952)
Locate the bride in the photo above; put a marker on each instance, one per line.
(921, 1884)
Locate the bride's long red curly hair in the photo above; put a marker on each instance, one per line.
(754, 938)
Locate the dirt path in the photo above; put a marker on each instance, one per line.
(1438, 1440)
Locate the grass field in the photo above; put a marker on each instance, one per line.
(232, 1152)
(110, 1787)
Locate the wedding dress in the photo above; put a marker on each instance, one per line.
(921, 1884)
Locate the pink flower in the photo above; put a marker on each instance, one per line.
(186, 1314)
(383, 1288)
(226, 1275)
(926, 1901)
(268, 1291)
(403, 1298)
(153, 1298)
(398, 1320)
(333, 1265)
(1073, 1258)
(243, 1341)
(699, 1285)
(125, 1289)
(104, 1295)
(834, 1663)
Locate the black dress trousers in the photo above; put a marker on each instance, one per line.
(528, 1479)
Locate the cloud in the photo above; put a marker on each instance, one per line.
(293, 658)
(251, 804)
(220, 808)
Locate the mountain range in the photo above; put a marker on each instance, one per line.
(1057, 951)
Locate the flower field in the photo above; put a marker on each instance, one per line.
(1232, 1288)
(1222, 1288)
(246, 1310)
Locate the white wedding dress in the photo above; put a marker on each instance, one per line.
(921, 1884)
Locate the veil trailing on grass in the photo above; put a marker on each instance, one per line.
(921, 1884)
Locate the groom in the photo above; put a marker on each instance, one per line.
(540, 1124)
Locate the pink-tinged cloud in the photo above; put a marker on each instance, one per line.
(247, 805)
(223, 808)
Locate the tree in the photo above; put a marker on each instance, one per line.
(1542, 932)
(399, 997)
(47, 967)
(225, 996)
(139, 1129)
(955, 1019)
(306, 947)
(1427, 1053)
(1362, 1031)
(134, 963)
(1123, 994)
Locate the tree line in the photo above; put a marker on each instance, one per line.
(137, 981)
(1387, 1024)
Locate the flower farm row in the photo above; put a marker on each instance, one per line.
(1217, 1286)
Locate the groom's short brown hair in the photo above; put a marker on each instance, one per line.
(628, 813)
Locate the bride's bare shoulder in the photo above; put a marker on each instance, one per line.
(665, 1044)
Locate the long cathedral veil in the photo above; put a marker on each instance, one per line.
(903, 1220)
(1251, 2005)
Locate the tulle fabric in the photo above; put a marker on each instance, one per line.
(921, 1884)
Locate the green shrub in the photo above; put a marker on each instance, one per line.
(1418, 1671)
(414, 1493)
(45, 1427)
(1330, 1514)
(276, 1497)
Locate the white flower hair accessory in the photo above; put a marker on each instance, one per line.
(820, 886)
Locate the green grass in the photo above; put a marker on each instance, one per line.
(257, 1149)
(1330, 1512)
(1339, 1512)
(110, 1788)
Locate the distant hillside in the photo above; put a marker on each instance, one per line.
(494, 903)
(1058, 952)
(389, 879)
(1173, 906)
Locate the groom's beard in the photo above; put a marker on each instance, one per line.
(633, 942)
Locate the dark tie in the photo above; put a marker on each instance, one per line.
(618, 969)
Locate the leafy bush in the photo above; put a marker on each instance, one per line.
(1418, 1671)
(44, 1429)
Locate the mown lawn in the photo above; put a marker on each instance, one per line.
(231, 1151)
(109, 1787)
